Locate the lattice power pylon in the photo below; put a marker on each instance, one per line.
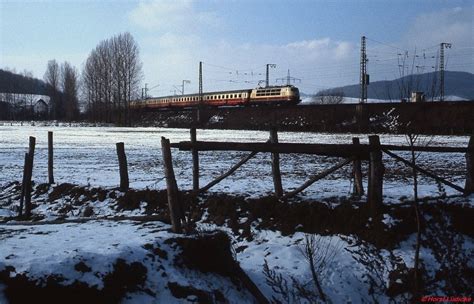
(442, 46)
(363, 72)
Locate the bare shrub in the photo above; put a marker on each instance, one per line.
(329, 97)
(318, 253)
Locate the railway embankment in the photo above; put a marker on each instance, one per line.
(436, 118)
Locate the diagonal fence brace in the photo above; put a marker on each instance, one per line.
(423, 171)
(317, 177)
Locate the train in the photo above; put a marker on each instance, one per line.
(272, 95)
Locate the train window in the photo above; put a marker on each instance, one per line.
(240, 95)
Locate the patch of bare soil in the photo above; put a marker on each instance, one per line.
(78, 194)
(195, 255)
(155, 200)
(345, 217)
(124, 278)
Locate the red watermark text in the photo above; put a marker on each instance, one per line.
(453, 299)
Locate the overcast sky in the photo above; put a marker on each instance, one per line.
(318, 41)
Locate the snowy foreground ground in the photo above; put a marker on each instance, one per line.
(89, 239)
(87, 156)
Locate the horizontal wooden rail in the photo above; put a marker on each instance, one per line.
(426, 149)
(339, 150)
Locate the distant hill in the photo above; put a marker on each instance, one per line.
(456, 84)
(19, 84)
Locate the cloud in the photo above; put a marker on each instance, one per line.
(453, 25)
(309, 44)
(178, 39)
(231, 65)
(171, 15)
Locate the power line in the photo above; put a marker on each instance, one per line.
(288, 79)
(382, 43)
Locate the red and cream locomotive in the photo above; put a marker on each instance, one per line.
(274, 95)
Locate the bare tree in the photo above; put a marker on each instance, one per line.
(111, 78)
(329, 97)
(69, 84)
(52, 78)
(414, 140)
(318, 253)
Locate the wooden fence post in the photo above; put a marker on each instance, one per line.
(171, 186)
(23, 185)
(50, 158)
(358, 189)
(376, 171)
(469, 186)
(29, 175)
(122, 158)
(276, 165)
(195, 154)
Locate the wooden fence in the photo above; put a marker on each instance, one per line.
(353, 154)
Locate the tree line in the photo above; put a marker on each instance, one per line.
(63, 85)
(109, 81)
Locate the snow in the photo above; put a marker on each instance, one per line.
(352, 100)
(87, 156)
(55, 249)
(389, 221)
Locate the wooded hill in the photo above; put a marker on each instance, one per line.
(456, 84)
(14, 83)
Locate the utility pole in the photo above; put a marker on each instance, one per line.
(180, 88)
(200, 82)
(364, 77)
(442, 46)
(200, 94)
(289, 79)
(146, 90)
(184, 81)
(269, 65)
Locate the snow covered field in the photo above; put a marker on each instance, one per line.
(87, 156)
(370, 263)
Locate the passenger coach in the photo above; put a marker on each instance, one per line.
(275, 95)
